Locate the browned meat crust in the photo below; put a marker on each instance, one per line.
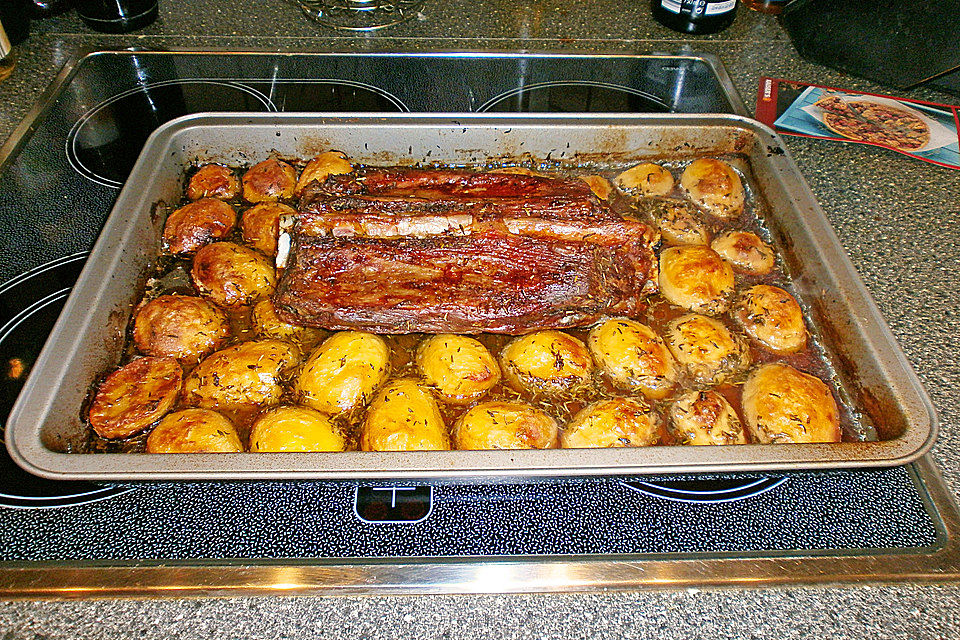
(514, 254)
(560, 207)
(500, 283)
(440, 182)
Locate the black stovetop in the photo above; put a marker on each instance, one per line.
(59, 185)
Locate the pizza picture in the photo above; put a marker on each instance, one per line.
(869, 121)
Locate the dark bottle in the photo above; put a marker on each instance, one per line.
(695, 16)
(116, 16)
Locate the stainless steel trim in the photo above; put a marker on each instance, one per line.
(407, 576)
(21, 134)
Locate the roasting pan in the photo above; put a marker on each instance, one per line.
(872, 371)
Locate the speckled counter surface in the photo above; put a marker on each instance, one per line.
(897, 218)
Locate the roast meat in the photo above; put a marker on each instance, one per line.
(412, 250)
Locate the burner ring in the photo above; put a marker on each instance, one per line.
(706, 491)
(649, 101)
(29, 305)
(371, 89)
(104, 131)
(94, 494)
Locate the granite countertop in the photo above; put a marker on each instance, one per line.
(894, 215)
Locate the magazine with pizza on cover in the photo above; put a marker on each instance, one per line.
(924, 130)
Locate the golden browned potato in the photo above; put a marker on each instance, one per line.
(184, 327)
(245, 375)
(194, 431)
(745, 251)
(696, 278)
(343, 372)
(268, 324)
(505, 425)
(781, 404)
(617, 422)
(647, 179)
(325, 164)
(197, 224)
(293, 428)
(404, 417)
(135, 396)
(708, 351)
(771, 316)
(704, 418)
(459, 367)
(268, 181)
(232, 275)
(677, 220)
(260, 225)
(550, 362)
(633, 357)
(600, 186)
(213, 181)
(715, 186)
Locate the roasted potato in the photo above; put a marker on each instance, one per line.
(781, 405)
(677, 220)
(194, 431)
(260, 225)
(245, 375)
(459, 367)
(135, 396)
(505, 425)
(715, 186)
(267, 324)
(745, 251)
(600, 186)
(705, 418)
(343, 372)
(550, 362)
(213, 181)
(183, 327)
(772, 317)
(404, 417)
(708, 352)
(292, 428)
(647, 179)
(197, 224)
(232, 275)
(632, 356)
(696, 278)
(268, 181)
(616, 422)
(325, 164)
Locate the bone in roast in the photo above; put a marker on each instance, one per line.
(412, 250)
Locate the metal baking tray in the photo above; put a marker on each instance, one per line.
(87, 340)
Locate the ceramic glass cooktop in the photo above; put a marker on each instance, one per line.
(59, 185)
